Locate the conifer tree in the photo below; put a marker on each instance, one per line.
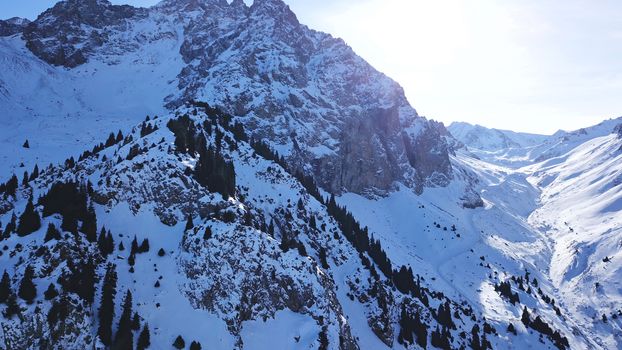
(421, 331)
(51, 292)
(11, 226)
(136, 322)
(109, 243)
(11, 186)
(195, 345)
(475, 339)
(25, 179)
(27, 289)
(5, 287)
(30, 221)
(134, 246)
(106, 309)
(69, 223)
(102, 242)
(525, 317)
(189, 223)
(406, 327)
(144, 339)
(124, 338)
(89, 224)
(110, 140)
(51, 233)
(208, 233)
(86, 281)
(144, 246)
(179, 343)
(35, 173)
(12, 308)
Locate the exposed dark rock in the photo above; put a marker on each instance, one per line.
(67, 33)
(12, 26)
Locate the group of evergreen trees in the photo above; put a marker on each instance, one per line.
(412, 325)
(212, 169)
(129, 322)
(479, 342)
(105, 242)
(540, 326)
(27, 291)
(505, 290)
(29, 221)
(10, 187)
(71, 201)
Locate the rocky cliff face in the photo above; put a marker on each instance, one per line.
(12, 26)
(306, 93)
(69, 32)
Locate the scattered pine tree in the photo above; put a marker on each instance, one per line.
(5, 287)
(51, 233)
(27, 288)
(179, 343)
(12, 308)
(144, 339)
(124, 338)
(106, 309)
(30, 221)
(189, 223)
(51, 292)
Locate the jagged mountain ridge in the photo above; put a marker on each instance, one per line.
(515, 150)
(309, 94)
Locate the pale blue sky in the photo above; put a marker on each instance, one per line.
(526, 65)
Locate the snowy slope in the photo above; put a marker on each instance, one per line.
(317, 102)
(580, 212)
(235, 282)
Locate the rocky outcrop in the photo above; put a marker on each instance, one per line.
(618, 130)
(67, 33)
(312, 98)
(304, 92)
(12, 26)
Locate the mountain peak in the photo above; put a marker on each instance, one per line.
(273, 8)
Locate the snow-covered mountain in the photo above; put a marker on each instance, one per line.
(515, 150)
(281, 194)
(309, 94)
(482, 138)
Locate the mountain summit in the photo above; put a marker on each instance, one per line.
(308, 94)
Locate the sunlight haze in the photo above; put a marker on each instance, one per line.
(534, 66)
